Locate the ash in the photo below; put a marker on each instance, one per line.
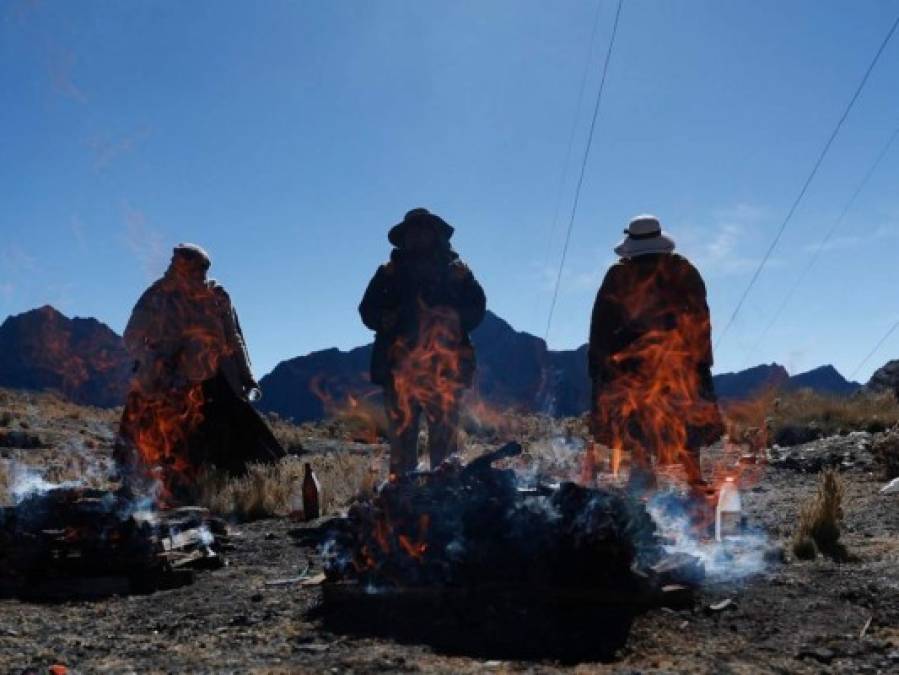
(474, 526)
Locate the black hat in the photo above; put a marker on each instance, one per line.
(419, 217)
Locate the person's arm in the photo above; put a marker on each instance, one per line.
(697, 307)
(468, 297)
(374, 306)
(237, 355)
(603, 322)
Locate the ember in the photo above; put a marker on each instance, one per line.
(473, 526)
(77, 542)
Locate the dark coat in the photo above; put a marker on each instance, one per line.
(403, 289)
(645, 294)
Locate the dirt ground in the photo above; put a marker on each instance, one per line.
(252, 616)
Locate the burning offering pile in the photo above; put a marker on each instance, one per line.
(77, 542)
(474, 527)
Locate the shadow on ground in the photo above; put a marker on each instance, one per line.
(485, 628)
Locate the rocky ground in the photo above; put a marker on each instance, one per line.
(256, 615)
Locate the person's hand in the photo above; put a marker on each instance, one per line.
(255, 392)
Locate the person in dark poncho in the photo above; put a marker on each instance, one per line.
(422, 304)
(189, 402)
(650, 358)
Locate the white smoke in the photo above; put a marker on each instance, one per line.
(732, 559)
(27, 482)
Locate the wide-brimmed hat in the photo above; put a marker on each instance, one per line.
(644, 236)
(419, 218)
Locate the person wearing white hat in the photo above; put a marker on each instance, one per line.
(189, 401)
(650, 357)
(644, 236)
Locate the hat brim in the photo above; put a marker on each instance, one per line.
(398, 232)
(631, 248)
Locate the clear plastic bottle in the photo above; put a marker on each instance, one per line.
(311, 494)
(729, 512)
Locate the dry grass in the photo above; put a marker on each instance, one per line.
(798, 417)
(24, 408)
(270, 490)
(886, 453)
(820, 519)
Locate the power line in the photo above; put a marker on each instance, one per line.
(823, 243)
(879, 344)
(580, 181)
(805, 186)
(577, 114)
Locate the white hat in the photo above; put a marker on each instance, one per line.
(644, 236)
(193, 253)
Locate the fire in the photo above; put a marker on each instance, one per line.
(160, 427)
(655, 403)
(352, 405)
(182, 347)
(428, 374)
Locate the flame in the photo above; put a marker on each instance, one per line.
(181, 346)
(654, 399)
(389, 537)
(428, 373)
(352, 405)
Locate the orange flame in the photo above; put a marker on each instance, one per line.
(355, 408)
(654, 398)
(428, 374)
(656, 401)
(182, 346)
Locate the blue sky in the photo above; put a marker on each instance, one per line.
(286, 137)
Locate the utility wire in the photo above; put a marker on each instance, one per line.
(805, 186)
(577, 114)
(580, 181)
(879, 344)
(823, 243)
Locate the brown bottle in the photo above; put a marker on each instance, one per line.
(311, 494)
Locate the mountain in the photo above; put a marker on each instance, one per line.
(885, 378)
(308, 387)
(825, 380)
(753, 381)
(750, 382)
(82, 359)
(86, 361)
(515, 370)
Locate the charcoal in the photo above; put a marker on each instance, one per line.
(473, 527)
(80, 539)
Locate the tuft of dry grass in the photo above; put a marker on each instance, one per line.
(820, 519)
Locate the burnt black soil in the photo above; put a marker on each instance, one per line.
(805, 617)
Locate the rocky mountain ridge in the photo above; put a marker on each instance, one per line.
(86, 361)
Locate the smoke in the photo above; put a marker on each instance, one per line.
(106, 149)
(28, 482)
(729, 560)
(60, 67)
(144, 242)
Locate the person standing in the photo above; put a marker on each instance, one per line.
(189, 401)
(422, 305)
(650, 357)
